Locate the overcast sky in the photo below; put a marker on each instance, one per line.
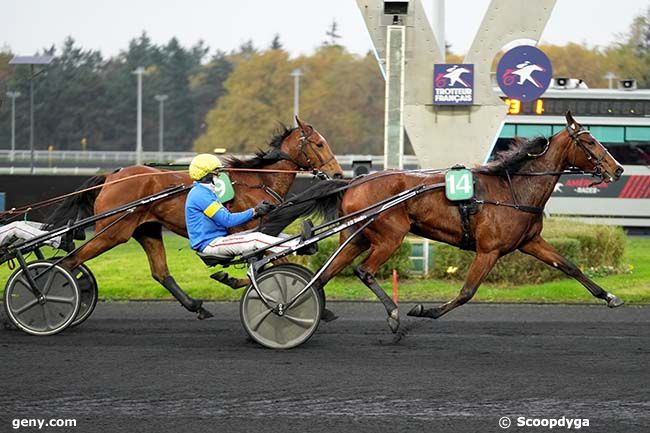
(108, 25)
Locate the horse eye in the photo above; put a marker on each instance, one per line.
(319, 144)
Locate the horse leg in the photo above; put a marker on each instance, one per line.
(149, 236)
(345, 257)
(478, 270)
(234, 283)
(542, 250)
(96, 246)
(379, 254)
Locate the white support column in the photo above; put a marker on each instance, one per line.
(443, 136)
(394, 98)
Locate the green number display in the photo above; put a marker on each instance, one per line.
(459, 185)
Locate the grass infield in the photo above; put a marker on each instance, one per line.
(123, 274)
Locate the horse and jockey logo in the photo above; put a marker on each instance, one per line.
(524, 73)
(453, 84)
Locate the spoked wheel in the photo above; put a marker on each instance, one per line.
(50, 315)
(88, 293)
(279, 284)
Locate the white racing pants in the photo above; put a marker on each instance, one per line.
(237, 244)
(24, 230)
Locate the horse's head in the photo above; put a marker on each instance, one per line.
(585, 152)
(310, 150)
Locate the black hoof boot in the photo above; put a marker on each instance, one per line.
(416, 311)
(328, 316)
(203, 314)
(226, 279)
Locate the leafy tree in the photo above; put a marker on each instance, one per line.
(207, 86)
(341, 95)
(258, 96)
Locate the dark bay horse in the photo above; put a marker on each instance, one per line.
(301, 148)
(506, 215)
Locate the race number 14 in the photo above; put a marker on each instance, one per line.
(459, 185)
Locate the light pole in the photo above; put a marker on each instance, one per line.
(610, 76)
(161, 123)
(296, 74)
(13, 95)
(32, 61)
(138, 147)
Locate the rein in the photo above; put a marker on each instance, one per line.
(15, 212)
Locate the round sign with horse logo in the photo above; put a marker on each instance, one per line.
(524, 73)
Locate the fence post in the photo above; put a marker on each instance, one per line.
(425, 257)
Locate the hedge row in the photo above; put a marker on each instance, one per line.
(596, 249)
(591, 247)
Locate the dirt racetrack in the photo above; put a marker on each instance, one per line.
(151, 367)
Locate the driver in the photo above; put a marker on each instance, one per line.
(208, 221)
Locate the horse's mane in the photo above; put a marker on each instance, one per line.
(262, 157)
(517, 155)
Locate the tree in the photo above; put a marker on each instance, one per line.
(332, 34)
(275, 43)
(341, 95)
(258, 96)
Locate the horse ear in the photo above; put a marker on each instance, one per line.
(304, 127)
(571, 122)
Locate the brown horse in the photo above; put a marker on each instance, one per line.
(506, 214)
(301, 148)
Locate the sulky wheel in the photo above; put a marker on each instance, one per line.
(296, 324)
(309, 275)
(88, 293)
(54, 312)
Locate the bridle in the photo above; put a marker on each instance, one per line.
(304, 142)
(574, 134)
(598, 159)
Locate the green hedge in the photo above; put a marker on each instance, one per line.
(595, 249)
(399, 260)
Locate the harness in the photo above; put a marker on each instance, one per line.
(471, 207)
(304, 143)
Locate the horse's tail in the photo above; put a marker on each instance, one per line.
(323, 199)
(77, 206)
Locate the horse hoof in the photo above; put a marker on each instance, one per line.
(203, 314)
(328, 316)
(393, 320)
(416, 311)
(614, 301)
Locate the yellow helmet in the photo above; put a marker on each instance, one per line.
(203, 164)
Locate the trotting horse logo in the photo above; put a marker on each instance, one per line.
(524, 73)
(453, 84)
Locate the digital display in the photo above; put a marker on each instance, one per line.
(579, 107)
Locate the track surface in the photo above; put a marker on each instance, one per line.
(151, 367)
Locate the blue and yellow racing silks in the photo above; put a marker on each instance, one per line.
(206, 218)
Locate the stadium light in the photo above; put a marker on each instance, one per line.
(161, 122)
(13, 95)
(32, 62)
